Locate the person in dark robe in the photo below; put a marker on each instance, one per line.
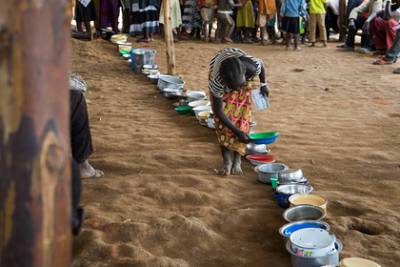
(81, 139)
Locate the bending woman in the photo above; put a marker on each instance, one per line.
(230, 83)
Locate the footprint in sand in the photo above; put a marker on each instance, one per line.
(394, 115)
(344, 209)
(365, 227)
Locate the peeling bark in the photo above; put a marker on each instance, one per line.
(35, 196)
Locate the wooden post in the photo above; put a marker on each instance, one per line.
(35, 193)
(169, 40)
(342, 20)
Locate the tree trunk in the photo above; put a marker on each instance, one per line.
(169, 40)
(35, 194)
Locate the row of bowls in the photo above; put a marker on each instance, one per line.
(307, 238)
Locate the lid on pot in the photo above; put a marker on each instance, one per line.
(358, 262)
(288, 229)
(312, 238)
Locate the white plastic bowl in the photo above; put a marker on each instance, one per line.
(312, 242)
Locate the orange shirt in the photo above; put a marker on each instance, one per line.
(267, 7)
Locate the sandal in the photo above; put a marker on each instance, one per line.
(97, 174)
(143, 40)
(382, 61)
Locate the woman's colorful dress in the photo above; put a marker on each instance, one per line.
(237, 108)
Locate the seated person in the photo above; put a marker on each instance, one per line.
(359, 20)
(81, 139)
(384, 26)
(332, 17)
(392, 54)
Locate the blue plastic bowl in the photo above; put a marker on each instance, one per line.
(265, 141)
(290, 228)
(282, 200)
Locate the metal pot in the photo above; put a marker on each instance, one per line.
(195, 95)
(266, 171)
(169, 81)
(291, 189)
(330, 259)
(303, 181)
(171, 93)
(303, 212)
(290, 175)
(252, 148)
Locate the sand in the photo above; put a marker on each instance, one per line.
(160, 203)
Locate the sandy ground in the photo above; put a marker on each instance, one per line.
(160, 203)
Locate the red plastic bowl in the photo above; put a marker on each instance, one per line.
(261, 159)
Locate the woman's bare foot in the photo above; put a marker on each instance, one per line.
(227, 157)
(226, 170)
(237, 164)
(87, 171)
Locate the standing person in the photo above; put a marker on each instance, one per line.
(207, 11)
(291, 11)
(176, 17)
(245, 21)
(267, 11)
(226, 24)
(145, 19)
(358, 20)
(317, 18)
(85, 12)
(108, 14)
(230, 77)
(191, 19)
(126, 15)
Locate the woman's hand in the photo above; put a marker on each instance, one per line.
(243, 138)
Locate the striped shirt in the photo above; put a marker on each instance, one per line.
(216, 85)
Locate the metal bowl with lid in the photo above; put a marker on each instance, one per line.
(291, 189)
(290, 176)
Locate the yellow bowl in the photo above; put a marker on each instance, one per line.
(309, 199)
(358, 262)
(204, 115)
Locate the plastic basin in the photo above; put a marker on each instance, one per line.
(260, 159)
(183, 110)
(264, 138)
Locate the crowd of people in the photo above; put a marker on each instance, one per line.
(288, 22)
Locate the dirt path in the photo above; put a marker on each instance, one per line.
(160, 203)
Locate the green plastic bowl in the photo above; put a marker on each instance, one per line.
(265, 135)
(183, 110)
